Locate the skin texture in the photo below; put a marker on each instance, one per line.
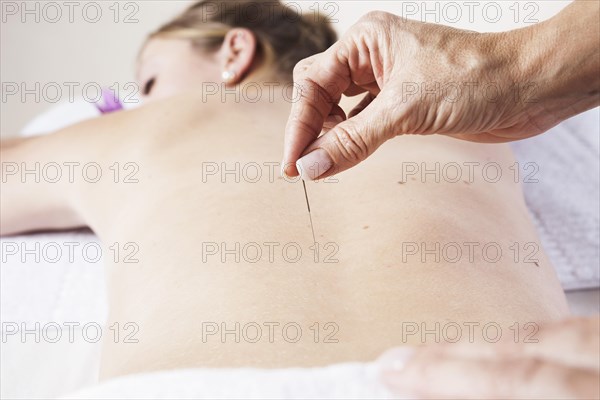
(365, 217)
(487, 87)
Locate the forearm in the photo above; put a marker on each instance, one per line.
(560, 60)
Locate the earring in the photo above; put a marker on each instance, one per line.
(228, 76)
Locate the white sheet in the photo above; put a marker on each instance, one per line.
(341, 381)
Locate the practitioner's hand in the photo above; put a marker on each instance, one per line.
(420, 78)
(565, 363)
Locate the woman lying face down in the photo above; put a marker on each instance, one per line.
(226, 272)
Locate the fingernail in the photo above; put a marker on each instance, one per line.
(396, 359)
(314, 164)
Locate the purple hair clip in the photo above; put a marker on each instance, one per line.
(109, 103)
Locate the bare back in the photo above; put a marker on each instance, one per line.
(221, 269)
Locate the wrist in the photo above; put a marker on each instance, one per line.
(556, 64)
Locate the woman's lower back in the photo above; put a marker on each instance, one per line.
(424, 242)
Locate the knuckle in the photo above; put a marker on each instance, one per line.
(349, 143)
(301, 66)
(298, 69)
(530, 369)
(314, 95)
(376, 15)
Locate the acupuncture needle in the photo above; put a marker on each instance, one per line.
(312, 228)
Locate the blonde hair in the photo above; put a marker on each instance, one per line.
(283, 35)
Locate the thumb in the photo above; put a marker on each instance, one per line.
(346, 144)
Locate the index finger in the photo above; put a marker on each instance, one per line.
(319, 82)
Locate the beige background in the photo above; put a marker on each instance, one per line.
(56, 53)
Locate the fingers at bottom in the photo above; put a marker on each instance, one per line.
(432, 376)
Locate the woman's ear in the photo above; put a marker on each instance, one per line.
(237, 54)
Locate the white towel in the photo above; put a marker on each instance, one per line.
(565, 203)
(340, 381)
